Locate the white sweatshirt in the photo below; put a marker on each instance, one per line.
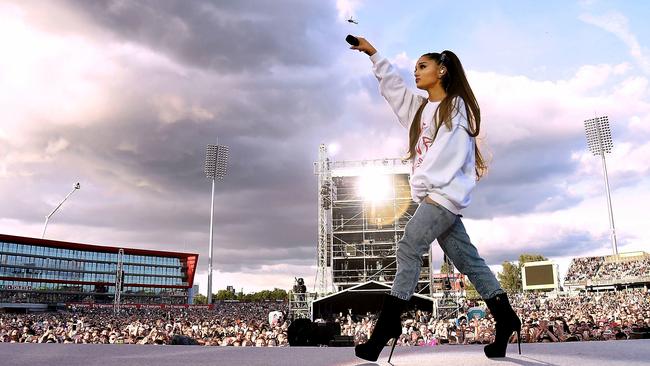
(442, 169)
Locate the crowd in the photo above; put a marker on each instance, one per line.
(615, 270)
(584, 317)
(580, 317)
(583, 268)
(229, 324)
(598, 268)
(590, 316)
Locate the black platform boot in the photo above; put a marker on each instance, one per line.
(389, 326)
(507, 322)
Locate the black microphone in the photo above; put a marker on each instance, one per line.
(352, 40)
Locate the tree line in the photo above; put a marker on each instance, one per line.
(270, 295)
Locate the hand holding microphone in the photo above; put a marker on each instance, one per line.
(352, 40)
(360, 44)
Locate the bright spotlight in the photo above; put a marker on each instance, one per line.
(333, 148)
(375, 187)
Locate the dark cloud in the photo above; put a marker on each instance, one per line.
(254, 259)
(229, 36)
(267, 193)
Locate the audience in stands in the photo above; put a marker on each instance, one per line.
(582, 269)
(598, 268)
(623, 269)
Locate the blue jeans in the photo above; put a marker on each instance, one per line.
(431, 222)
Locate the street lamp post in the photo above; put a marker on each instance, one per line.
(47, 218)
(216, 159)
(119, 281)
(599, 139)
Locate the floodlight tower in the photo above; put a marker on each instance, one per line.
(216, 159)
(599, 139)
(47, 218)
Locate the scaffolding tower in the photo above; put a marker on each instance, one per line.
(448, 292)
(300, 305)
(323, 282)
(364, 207)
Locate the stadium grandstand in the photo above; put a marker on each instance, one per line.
(40, 274)
(626, 270)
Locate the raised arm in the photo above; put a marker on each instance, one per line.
(391, 85)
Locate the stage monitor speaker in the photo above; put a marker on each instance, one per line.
(324, 333)
(184, 341)
(300, 333)
(304, 333)
(342, 341)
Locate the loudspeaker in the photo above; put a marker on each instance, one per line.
(302, 332)
(299, 333)
(325, 332)
(184, 340)
(640, 333)
(342, 341)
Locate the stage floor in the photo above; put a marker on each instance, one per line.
(630, 352)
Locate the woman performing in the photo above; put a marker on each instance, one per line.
(446, 166)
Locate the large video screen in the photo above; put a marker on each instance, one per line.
(539, 275)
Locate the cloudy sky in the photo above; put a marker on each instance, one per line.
(123, 96)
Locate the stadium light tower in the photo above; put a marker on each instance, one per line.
(599, 139)
(47, 218)
(216, 159)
